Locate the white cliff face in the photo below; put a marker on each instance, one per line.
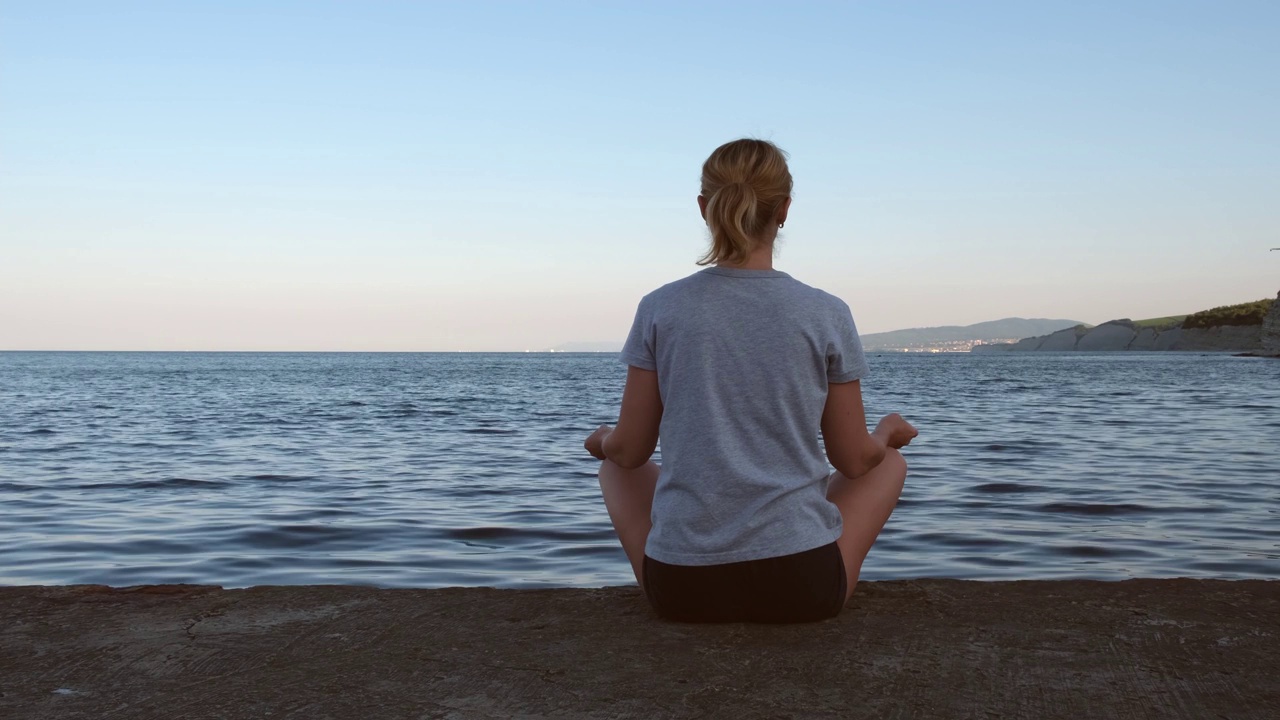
(1124, 335)
(1061, 340)
(1107, 336)
(1270, 336)
(1121, 335)
(1225, 338)
(1168, 340)
(1146, 340)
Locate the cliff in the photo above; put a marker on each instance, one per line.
(1271, 330)
(1123, 335)
(1214, 330)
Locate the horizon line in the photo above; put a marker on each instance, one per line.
(331, 352)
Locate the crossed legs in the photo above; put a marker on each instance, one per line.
(628, 496)
(865, 505)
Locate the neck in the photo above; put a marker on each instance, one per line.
(761, 258)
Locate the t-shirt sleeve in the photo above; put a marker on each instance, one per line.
(639, 351)
(845, 359)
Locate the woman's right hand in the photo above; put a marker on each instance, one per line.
(896, 432)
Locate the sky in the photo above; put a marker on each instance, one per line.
(487, 176)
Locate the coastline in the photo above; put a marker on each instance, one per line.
(920, 648)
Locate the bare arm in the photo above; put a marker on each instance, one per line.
(633, 441)
(850, 448)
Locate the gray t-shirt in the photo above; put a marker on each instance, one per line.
(743, 360)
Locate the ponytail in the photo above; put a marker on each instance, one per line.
(731, 215)
(745, 184)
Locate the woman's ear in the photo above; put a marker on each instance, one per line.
(702, 206)
(782, 214)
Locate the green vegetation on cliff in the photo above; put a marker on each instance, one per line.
(1160, 323)
(1250, 313)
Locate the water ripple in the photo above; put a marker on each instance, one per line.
(431, 470)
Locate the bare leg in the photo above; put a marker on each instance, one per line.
(865, 504)
(628, 496)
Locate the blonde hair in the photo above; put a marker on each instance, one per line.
(745, 183)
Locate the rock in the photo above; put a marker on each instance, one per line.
(1263, 339)
(1168, 339)
(1269, 338)
(1145, 340)
(1169, 648)
(1224, 338)
(1061, 341)
(1114, 335)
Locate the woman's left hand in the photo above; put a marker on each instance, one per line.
(595, 443)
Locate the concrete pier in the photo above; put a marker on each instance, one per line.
(908, 649)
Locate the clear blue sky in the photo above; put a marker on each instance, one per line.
(504, 176)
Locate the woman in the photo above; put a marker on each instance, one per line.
(738, 367)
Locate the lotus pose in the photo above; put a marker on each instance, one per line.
(737, 368)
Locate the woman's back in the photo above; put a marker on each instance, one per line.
(743, 359)
(736, 370)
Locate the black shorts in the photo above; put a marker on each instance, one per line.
(804, 587)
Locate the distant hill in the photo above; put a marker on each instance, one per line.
(950, 337)
(961, 337)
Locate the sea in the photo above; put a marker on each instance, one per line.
(459, 469)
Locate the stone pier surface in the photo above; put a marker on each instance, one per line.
(902, 649)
